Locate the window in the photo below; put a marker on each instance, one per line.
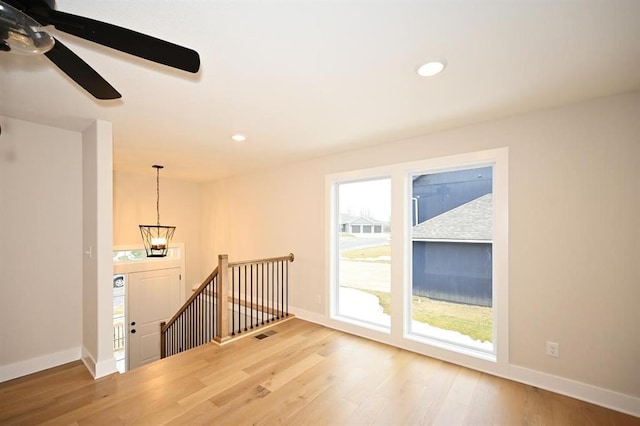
(363, 259)
(451, 245)
(446, 285)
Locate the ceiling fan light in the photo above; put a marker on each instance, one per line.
(40, 42)
(22, 34)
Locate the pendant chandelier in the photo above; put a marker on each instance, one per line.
(156, 238)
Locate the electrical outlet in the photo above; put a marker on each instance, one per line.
(553, 349)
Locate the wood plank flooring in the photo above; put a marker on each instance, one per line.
(303, 374)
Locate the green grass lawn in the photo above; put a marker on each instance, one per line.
(474, 321)
(369, 252)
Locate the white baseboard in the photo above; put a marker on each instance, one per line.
(604, 397)
(98, 369)
(33, 365)
(309, 316)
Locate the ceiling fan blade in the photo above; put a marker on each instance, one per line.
(80, 72)
(125, 40)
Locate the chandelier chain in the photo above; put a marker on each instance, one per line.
(158, 194)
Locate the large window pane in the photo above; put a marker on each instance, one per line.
(364, 251)
(452, 239)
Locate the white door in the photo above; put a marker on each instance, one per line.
(152, 297)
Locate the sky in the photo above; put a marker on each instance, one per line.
(367, 198)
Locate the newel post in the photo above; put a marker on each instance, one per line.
(223, 295)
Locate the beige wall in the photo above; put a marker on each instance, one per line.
(574, 230)
(40, 246)
(135, 204)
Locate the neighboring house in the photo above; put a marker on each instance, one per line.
(362, 225)
(436, 193)
(452, 254)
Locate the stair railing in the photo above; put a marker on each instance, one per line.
(234, 299)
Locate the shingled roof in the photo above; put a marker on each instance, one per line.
(470, 221)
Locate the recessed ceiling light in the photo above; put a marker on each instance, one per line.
(430, 69)
(239, 138)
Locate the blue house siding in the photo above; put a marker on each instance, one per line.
(453, 272)
(437, 193)
(452, 235)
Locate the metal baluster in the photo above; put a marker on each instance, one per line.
(233, 292)
(185, 331)
(262, 293)
(196, 323)
(239, 298)
(282, 285)
(279, 293)
(275, 291)
(202, 318)
(268, 294)
(245, 297)
(207, 316)
(273, 305)
(215, 308)
(251, 298)
(280, 290)
(287, 305)
(277, 285)
(187, 346)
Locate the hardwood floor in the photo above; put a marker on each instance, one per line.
(303, 374)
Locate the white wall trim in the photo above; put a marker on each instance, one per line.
(89, 362)
(33, 365)
(309, 316)
(604, 397)
(100, 369)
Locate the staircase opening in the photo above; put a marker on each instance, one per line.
(236, 299)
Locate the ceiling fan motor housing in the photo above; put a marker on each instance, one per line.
(21, 31)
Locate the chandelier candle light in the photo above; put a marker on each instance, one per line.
(156, 238)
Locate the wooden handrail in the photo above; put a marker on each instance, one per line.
(290, 258)
(186, 304)
(205, 317)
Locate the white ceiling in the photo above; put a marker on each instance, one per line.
(308, 78)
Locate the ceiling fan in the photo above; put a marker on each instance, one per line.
(21, 31)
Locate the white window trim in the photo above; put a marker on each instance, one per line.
(154, 263)
(401, 258)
